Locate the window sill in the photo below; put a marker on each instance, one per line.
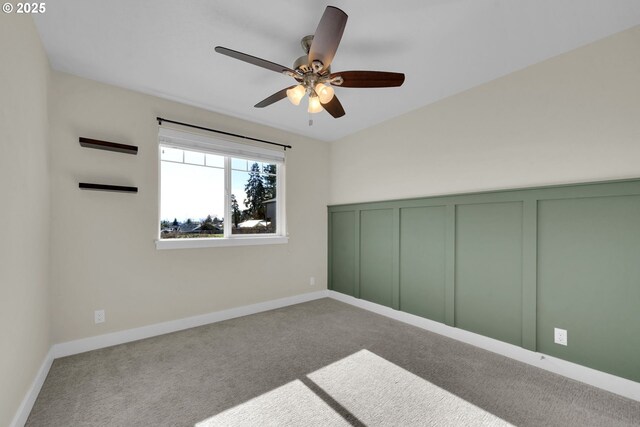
(219, 242)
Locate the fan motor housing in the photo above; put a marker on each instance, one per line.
(302, 64)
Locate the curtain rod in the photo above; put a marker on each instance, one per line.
(160, 120)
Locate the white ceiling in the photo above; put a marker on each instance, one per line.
(165, 48)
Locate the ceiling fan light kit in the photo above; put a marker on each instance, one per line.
(312, 71)
(325, 93)
(314, 105)
(295, 94)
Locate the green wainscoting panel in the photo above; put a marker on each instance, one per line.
(343, 251)
(529, 272)
(422, 261)
(376, 256)
(589, 281)
(510, 264)
(450, 269)
(488, 295)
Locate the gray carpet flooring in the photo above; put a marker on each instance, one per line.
(318, 363)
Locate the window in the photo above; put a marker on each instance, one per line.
(216, 192)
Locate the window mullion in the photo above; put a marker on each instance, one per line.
(280, 201)
(227, 198)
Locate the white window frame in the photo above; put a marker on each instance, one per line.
(228, 148)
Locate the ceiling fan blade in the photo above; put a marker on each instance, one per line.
(369, 79)
(255, 60)
(327, 36)
(281, 94)
(334, 107)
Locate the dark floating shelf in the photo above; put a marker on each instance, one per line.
(105, 187)
(109, 146)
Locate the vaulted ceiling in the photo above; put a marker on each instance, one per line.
(165, 48)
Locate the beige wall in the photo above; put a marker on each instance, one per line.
(24, 210)
(573, 118)
(103, 251)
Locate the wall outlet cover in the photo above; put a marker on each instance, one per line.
(312, 281)
(560, 336)
(98, 316)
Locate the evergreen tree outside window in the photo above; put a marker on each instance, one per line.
(250, 177)
(269, 181)
(236, 215)
(254, 189)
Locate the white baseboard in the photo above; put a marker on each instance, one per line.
(612, 383)
(121, 337)
(107, 340)
(586, 375)
(24, 410)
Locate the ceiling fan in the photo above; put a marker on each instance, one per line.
(312, 71)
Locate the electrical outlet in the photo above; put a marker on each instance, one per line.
(98, 316)
(312, 281)
(560, 336)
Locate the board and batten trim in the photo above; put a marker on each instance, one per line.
(529, 273)
(603, 380)
(356, 255)
(450, 266)
(395, 261)
(619, 187)
(522, 316)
